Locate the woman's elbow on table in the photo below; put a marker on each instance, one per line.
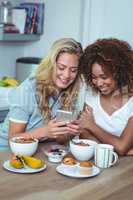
(122, 150)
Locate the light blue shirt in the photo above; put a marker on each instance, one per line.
(24, 108)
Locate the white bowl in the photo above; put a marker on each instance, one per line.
(56, 155)
(80, 152)
(23, 148)
(55, 158)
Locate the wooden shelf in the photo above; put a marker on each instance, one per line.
(11, 37)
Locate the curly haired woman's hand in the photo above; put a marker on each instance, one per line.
(86, 119)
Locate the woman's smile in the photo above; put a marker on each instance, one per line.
(102, 81)
(66, 70)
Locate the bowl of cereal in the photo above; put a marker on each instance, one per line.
(21, 146)
(82, 149)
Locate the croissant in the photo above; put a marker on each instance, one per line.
(69, 161)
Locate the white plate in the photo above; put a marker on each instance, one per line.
(75, 173)
(26, 170)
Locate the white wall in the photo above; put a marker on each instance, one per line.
(8, 54)
(62, 19)
(84, 20)
(110, 19)
(118, 17)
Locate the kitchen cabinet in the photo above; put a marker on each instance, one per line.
(18, 37)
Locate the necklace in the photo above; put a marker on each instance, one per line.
(117, 100)
(113, 102)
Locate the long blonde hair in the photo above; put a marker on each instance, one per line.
(45, 86)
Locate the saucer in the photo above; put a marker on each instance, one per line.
(74, 172)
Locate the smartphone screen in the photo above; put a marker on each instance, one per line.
(63, 115)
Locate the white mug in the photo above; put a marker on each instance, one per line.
(105, 156)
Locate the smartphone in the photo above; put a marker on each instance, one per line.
(63, 115)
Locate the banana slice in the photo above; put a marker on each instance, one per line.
(19, 162)
(33, 162)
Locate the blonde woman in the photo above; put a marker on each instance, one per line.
(56, 85)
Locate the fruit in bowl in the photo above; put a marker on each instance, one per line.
(21, 146)
(82, 149)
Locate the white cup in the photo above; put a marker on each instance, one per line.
(105, 156)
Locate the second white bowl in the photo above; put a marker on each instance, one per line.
(82, 149)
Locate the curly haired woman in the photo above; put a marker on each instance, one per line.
(56, 85)
(107, 65)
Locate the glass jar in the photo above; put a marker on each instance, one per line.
(6, 12)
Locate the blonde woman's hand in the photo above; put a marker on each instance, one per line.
(55, 129)
(73, 127)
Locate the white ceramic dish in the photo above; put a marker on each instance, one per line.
(26, 170)
(82, 152)
(21, 149)
(67, 171)
(48, 149)
(55, 153)
(55, 157)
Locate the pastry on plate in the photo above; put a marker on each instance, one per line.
(86, 164)
(85, 167)
(69, 161)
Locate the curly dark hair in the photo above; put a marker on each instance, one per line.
(115, 56)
